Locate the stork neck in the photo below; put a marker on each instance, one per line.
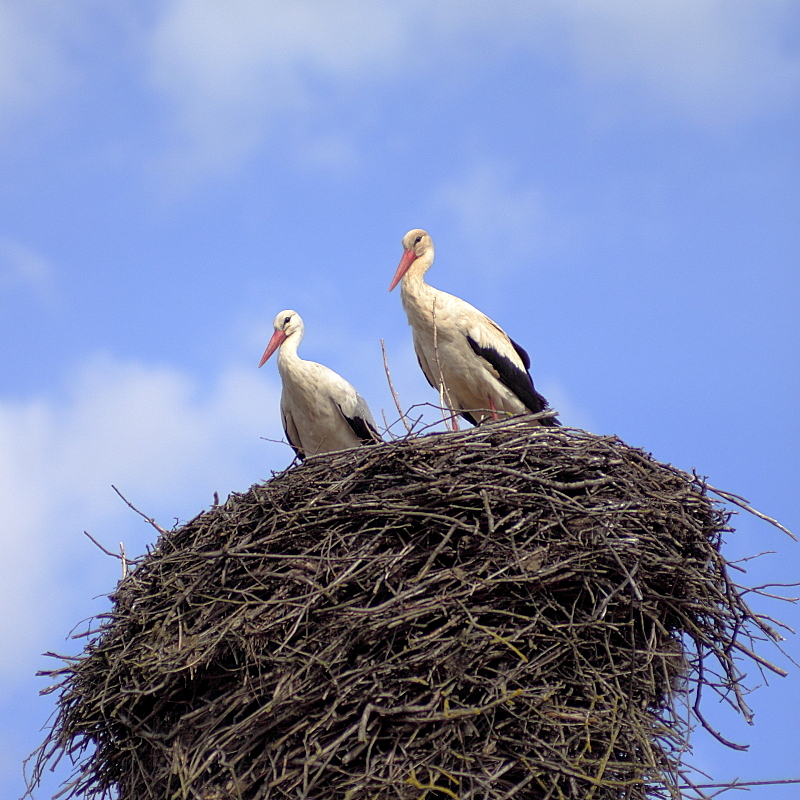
(288, 352)
(414, 279)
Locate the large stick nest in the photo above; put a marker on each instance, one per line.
(507, 612)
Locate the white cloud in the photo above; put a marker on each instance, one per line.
(716, 60)
(33, 66)
(237, 71)
(22, 266)
(148, 430)
(234, 70)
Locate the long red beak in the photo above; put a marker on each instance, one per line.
(274, 343)
(409, 257)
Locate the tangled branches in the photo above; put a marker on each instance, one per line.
(506, 612)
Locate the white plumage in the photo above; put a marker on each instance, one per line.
(320, 410)
(480, 372)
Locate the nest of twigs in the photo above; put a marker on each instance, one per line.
(506, 612)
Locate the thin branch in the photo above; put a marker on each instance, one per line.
(107, 552)
(736, 783)
(742, 503)
(123, 560)
(274, 441)
(391, 389)
(760, 659)
(130, 505)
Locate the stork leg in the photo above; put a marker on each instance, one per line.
(494, 409)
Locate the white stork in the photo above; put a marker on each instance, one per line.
(479, 371)
(320, 410)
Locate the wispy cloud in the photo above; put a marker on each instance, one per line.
(33, 63)
(714, 60)
(236, 72)
(25, 268)
(509, 217)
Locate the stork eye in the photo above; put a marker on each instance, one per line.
(286, 321)
(418, 240)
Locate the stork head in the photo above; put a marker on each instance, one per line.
(286, 324)
(416, 244)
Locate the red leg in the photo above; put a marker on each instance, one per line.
(494, 409)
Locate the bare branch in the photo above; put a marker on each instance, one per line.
(95, 542)
(391, 389)
(130, 505)
(742, 503)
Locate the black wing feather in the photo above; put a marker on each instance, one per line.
(362, 429)
(521, 352)
(517, 380)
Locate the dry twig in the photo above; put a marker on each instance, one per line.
(130, 505)
(391, 389)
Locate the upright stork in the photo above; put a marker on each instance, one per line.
(320, 410)
(480, 372)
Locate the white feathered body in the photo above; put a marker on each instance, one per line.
(446, 357)
(315, 405)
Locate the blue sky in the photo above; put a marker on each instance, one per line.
(614, 183)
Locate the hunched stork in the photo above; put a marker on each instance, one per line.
(320, 410)
(479, 371)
